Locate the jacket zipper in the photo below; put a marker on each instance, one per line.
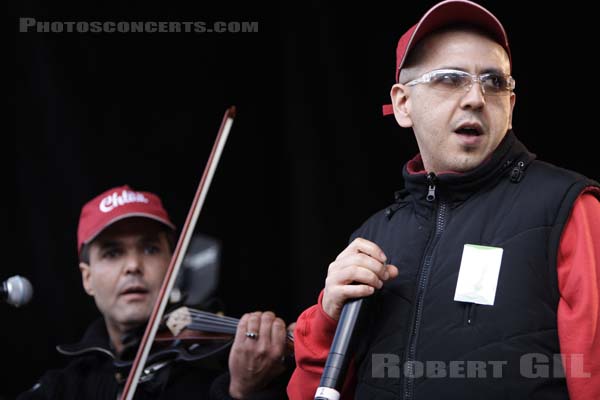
(470, 311)
(440, 222)
(516, 174)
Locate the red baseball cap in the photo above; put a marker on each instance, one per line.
(114, 205)
(441, 15)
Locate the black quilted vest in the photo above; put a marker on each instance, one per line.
(421, 344)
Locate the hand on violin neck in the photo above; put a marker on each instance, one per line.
(257, 353)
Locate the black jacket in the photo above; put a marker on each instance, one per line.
(420, 343)
(92, 375)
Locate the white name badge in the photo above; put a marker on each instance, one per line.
(478, 274)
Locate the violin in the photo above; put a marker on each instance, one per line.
(191, 335)
(188, 324)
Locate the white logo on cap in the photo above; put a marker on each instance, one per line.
(115, 200)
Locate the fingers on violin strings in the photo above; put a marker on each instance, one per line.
(290, 329)
(242, 328)
(266, 320)
(252, 331)
(278, 336)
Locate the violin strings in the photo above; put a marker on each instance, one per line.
(205, 321)
(208, 318)
(213, 316)
(209, 322)
(211, 328)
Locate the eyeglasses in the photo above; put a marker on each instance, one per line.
(453, 80)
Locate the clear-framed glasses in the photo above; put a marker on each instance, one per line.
(454, 80)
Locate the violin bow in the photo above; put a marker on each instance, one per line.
(178, 256)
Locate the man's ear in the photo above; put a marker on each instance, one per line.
(401, 104)
(86, 278)
(513, 99)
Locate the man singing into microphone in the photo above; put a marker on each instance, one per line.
(486, 268)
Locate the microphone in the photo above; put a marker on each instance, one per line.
(16, 291)
(337, 360)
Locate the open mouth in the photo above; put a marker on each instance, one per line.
(134, 290)
(469, 130)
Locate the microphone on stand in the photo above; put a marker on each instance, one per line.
(16, 291)
(337, 361)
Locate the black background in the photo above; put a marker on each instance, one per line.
(308, 159)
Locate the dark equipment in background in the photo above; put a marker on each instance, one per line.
(198, 279)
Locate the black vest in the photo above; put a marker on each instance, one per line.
(421, 344)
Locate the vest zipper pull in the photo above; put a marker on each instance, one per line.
(517, 172)
(431, 179)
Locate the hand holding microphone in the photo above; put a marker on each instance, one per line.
(16, 291)
(357, 271)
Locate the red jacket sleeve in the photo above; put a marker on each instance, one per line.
(579, 304)
(313, 335)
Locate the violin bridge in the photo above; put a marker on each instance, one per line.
(178, 320)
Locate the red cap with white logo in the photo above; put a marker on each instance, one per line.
(114, 205)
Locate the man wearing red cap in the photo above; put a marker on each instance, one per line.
(486, 269)
(125, 240)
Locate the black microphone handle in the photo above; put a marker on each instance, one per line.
(338, 358)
